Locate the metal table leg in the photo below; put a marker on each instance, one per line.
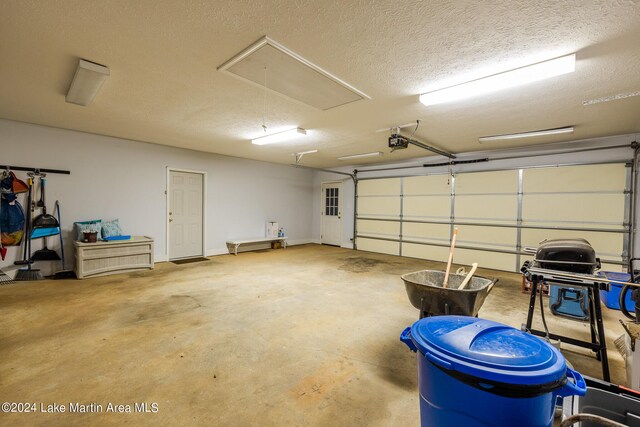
(532, 302)
(601, 337)
(592, 321)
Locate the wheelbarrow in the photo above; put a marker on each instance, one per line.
(425, 291)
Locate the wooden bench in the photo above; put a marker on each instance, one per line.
(233, 245)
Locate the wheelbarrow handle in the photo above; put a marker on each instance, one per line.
(492, 285)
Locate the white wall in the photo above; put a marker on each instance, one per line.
(116, 178)
(531, 157)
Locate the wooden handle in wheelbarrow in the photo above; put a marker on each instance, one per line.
(453, 244)
(467, 279)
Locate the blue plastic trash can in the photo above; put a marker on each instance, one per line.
(478, 372)
(611, 298)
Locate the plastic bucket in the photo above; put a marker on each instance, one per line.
(477, 372)
(611, 298)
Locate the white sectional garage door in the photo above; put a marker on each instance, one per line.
(497, 213)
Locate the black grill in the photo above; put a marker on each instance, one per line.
(574, 255)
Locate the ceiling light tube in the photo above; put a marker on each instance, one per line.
(519, 76)
(86, 82)
(283, 136)
(359, 156)
(545, 132)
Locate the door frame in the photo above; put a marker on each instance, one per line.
(322, 207)
(204, 207)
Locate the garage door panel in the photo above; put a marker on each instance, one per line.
(433, 184)
(380, 246)
(427, 232)
(387, 207)
(487, 208)
(497, 261)
(612, 267)
(588, 178)
(608, 244)
(379, 187)
(381, 228)
(433, 253)
(487, 182)
(585, 208)
(499, 237)
(432, 207)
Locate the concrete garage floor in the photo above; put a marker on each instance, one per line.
(302, 336)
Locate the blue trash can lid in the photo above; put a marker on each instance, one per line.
(488, 350)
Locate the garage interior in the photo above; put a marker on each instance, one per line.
(265, 173)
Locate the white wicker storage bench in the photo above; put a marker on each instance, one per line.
(119, 256)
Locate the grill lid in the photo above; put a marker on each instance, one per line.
(574, 255)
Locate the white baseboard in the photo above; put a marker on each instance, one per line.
(217, 251)
(319, 242)
(225, 251)
(299, 242)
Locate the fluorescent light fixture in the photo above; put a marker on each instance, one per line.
(545, 132)
(86, 82)
(283, 136)
(359, 156)
(519, 76)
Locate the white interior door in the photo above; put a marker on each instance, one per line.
(186, 222)
(331, 233)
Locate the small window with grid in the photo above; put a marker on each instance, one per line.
(331, 202)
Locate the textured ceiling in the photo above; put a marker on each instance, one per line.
(164, 87)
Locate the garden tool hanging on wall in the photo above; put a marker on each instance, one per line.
(44, 225)
(28, 273)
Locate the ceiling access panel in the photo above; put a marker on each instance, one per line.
(270, 65)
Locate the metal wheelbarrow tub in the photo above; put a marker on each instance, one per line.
(425, 291)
